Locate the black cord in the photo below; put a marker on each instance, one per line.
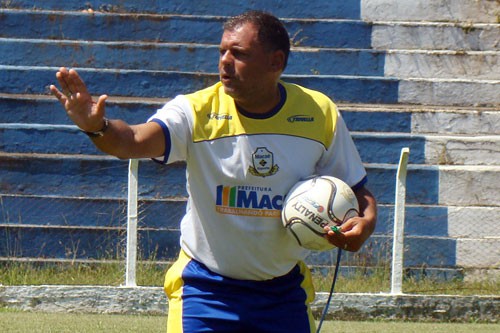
(325, 310)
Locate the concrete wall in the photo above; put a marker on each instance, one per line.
(112, 300)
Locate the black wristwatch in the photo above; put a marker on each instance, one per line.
(100, 132)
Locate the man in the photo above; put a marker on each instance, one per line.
(239, 269)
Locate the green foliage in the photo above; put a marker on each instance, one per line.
(152, 274)
(29, 273)
(373, 281)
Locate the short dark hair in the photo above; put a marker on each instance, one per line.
(271, 32)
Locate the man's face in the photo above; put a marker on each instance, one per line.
(245, 67)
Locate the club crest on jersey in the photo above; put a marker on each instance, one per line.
(263, 163)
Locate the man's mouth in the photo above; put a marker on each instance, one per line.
(226, 78)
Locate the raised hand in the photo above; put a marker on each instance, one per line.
(80, 107)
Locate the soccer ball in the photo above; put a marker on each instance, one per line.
(315, 203)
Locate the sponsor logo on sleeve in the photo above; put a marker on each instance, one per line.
(216, 116)
(300, 118)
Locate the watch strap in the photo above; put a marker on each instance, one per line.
(100, 132)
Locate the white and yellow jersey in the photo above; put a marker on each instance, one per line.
(239, 168)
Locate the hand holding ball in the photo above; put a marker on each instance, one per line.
(315, 203)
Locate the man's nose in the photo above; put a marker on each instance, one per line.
(226, 57)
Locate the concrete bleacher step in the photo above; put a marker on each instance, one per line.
(318, 9)
(204, 57)
(453, 36)
(426, 149)
(458, 92)
(173, 28)
(45, 109)
(397, 118)
(343, 88)
(84, 176)
(101, 176)
(423, 10)
(153, 56)
(480, 65)
(167, 84)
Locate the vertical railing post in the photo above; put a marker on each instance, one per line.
(131, 256)
(399, 223)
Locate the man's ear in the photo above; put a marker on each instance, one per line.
(278, 61)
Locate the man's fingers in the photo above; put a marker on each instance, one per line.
(72, 87)
(100, 105)
(76, 83)
(54, 91)
(336, 238)
(73, 95)
(70, 82)
(348, 225)
(62, 78)
(58, 94)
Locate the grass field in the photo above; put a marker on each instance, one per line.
(12, 273)
(11, 322)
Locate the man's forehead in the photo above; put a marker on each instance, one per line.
(241, 34)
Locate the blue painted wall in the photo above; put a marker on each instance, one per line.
(282, 8)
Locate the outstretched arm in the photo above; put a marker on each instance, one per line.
(355, 231)
(119, 138)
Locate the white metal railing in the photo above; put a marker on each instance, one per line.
(399, 224)
(131, 259)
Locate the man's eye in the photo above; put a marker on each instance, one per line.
(237, 54)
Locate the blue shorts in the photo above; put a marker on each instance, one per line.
(202, 301)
